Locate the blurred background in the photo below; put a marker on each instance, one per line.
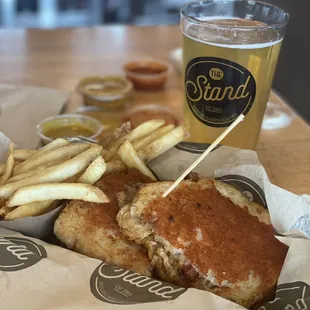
(292, 77)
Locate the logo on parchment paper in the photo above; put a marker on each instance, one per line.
(218, 90)
(19, 253)
(248, 187)
(119, 286)
(290, 296)
(194, 147)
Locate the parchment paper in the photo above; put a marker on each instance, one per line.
(38, 276)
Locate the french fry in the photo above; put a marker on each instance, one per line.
(49, 147)
(31, 209)
(24, 175)
(50, 156)
(4, 210)
(131, 159)
(154, 149)
(93, 172)
(58, 173)
(145, 141)
(2, 204)
(2, 168)
(37, 170)
(91, 175)
(57, 191)
(22, 155)
(55, 144)
(17, 162)
(9, 165)
(164, 143)
(140, 131)
(115, 166)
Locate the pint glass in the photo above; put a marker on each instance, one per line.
(230, 52)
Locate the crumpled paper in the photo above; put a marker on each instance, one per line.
(38, 275)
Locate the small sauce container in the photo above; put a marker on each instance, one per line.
(108, 92)
(147, 74)
(68, 125)
(143, 113)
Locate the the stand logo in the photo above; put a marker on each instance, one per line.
(290, 296)
(248, 187)
(218, 90)
(119, 286)
(19, 253)
(194, 147)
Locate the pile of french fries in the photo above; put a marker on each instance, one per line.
(33, 182)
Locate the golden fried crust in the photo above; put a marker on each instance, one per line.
(91, 229)
(82, 228)
(206, 234)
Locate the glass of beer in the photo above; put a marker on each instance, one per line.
(230, 52)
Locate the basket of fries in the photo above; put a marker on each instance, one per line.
(35, 184)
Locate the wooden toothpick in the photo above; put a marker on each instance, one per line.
(204, 154)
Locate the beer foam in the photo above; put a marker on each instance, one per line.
(237, 37)
(237, 46)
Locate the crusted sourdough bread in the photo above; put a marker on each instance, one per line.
(207, 235)
(91, 228)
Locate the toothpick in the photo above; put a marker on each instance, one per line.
(204, 154)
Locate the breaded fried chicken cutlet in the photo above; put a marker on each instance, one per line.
(91, 228)
(208, 235)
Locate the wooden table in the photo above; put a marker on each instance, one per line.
(60, 58)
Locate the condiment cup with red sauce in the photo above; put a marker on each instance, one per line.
(147, 74)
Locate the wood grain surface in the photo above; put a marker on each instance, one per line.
(60, 58)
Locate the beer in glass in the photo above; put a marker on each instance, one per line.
(230, 52)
